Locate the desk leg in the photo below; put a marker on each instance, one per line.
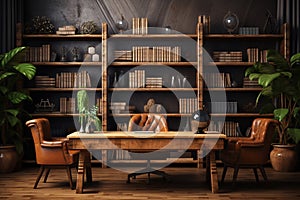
(213, 172)
(80, 172)
(88, 166)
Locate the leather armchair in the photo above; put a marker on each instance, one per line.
(250, 152)
(51, 153)
(147, 122)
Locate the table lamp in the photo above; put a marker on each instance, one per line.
(200, 121)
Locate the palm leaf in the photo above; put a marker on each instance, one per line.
(295, 59)
(27, 69)
(6, 74)
(280, 113)
(18, 97)
(266, 79)
(275, 57)
(10, 55)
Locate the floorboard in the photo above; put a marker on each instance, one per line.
(185, 183)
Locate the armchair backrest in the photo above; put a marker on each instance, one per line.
(148, 122)
(262, 130)
(48, 151)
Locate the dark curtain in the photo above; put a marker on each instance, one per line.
(11, 12)
(288, 11)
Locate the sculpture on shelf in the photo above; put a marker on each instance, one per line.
(200, 121)
(231, 22)
(88, 27)
(87, 113)
(122, 24)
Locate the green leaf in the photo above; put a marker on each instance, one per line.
(267, 108)
(13, 120)
(250, 70)
(265, 79)
(266, 68)
(280, 113)
(6, 74)
(267, 91)
(27, 69)
(254, 76)
(295, 59)
(18, 97)
(10, 55)
(3, 89)
(288, 74)
(275, 57)
(13, 112)
(294, 133)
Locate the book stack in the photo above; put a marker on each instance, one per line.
(228, 56)
(99, 105)
(247, 83)
(156, 54)
(249, 30)
(67, 105)
(123, 55)
(39, 54)
(187, 105)
(217, 80)
(205, 21)
(117, 107)
(154, 82)
(229, 128)
(137, 79)
(44, 81)
(73, 80)
(139, 25)
(66, 30)
(222, 107)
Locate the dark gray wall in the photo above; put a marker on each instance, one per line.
(181, 15)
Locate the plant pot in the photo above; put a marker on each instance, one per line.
(9, 159)
(283, 158)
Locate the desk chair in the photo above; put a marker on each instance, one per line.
(51, 153)
(250, 152)
(147, 122)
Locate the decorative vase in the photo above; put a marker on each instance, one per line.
(81, 130)
(283, 158)
(8, 159)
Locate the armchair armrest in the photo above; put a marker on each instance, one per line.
(236, 139)
(53, 144)
(250, 144)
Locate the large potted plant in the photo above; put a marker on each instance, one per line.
(280, 81)
(12, 95)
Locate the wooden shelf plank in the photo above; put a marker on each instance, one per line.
(233, 89)
(241, 115)
(143, 36)
(188, 64)
(63, 89)
(240, 36)
(152, 89)
(67, 63)
(168, 115)
(55, 114)
(76, 36)
(231, 63)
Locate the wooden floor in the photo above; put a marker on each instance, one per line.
(185, 183)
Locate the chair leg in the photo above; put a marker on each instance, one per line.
(263, 173)
(255, 173)
(224, 173)
(69, 173)
(46, 175)
(235, 174)
(41, 171)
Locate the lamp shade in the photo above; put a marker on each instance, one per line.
(200, 121)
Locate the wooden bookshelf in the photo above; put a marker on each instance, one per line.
(158, 64)
(242, 36)
(56, 36)
(63, 89)
(64, 64)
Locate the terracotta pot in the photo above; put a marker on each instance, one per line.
(8, 159)
(283, 158)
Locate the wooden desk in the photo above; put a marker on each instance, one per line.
(208, 143)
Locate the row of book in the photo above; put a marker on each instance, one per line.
(156, 54)
(38, 54)
(255, 55)
(139, 25)
(249, 30)
(188, 105)
(154, 82)
(229, 128)
(123, 55)
(205, 21)
(73, 80)
(44, 81)
(247, 83)
(137, 79)
(217, 80)
(228, 56)
(68, 105)
(66, 30)
(222, 107)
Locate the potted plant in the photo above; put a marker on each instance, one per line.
(280, 83)
(12, 72)
(87, 114)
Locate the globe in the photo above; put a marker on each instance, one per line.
(122, 24)
(231, 22)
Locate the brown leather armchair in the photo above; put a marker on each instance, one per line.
(147, 122)
(50, 153)
(250, 152)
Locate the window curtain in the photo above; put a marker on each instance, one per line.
(11, 12)
(288, 11)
